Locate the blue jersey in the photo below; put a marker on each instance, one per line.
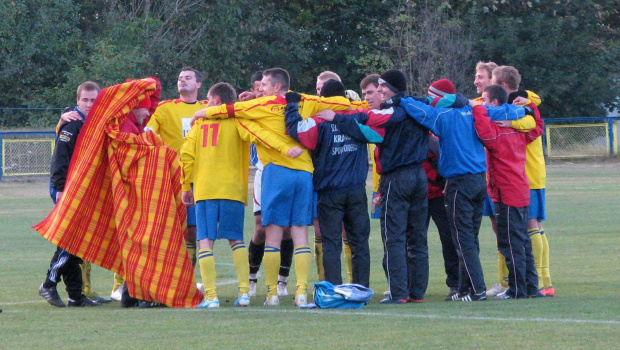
(340, 162)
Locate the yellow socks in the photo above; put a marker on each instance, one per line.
(546, 275)
(537, 249)
(347, 258)
(502, 269)
(206, 262)
(85, 265)
(118, 281)
(242, 266)
(318, 258)
(271, 260)
(302, 268)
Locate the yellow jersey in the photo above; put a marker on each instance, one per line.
(268, 113)
(171, 121)
(535, 168)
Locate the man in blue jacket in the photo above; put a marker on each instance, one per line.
(403, 187)
(462, 162)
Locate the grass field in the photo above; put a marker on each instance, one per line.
(583, 219)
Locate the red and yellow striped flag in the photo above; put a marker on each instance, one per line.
(121, 208)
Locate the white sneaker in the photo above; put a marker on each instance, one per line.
(117, 294)
(497, 289)
(200, 287)
(282, 291)
(209, 304)
(273, 301)
(242, 300)
(301, 300)
(386, 293)
(252, 291)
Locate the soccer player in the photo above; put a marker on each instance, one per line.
(341, 168)
(256, 248)
(215, 158)
(509, 78)
(509, 188)
(63, 264)
(287, 182)
(171, 121)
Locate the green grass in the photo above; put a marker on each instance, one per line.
(583, 220)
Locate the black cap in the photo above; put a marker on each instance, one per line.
(395, 80)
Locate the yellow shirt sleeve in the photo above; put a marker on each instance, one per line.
(254, 133)
(524, 124)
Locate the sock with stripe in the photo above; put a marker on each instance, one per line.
(502, 269)
(242, 267)
(303, 260)
(546, 274)
(272, 265)
(537, 249)
(191, 251)
(255, 256)
(286, 258)
(318, 258)
(206, 261)
(347, 258)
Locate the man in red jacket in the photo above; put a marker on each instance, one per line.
(508, 186)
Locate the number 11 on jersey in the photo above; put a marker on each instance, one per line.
(214, 131)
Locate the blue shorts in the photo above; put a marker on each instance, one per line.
(489, 207)
(375, 210)
(219, 219)
(315, 205)
(191, 215)
(537, 206)
(286, 196)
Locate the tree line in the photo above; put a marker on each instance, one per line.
(567, 51)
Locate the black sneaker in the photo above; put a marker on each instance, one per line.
(469, 297)
(126, 299)
(96, 298)
(503, 296)
(82, 302)
(143, 304)
(51, 295)
(453, 291)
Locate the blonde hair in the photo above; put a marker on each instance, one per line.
(486, 67)
(328, 75)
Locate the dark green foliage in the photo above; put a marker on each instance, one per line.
(567, 51)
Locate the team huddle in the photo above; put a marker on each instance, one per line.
(441, 156)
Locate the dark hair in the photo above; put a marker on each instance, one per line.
(496, 92)
(196, 73)
(279, 75)
(225, 92)
(331, 88)
(258, 76)
(87, 86)
(370, 79)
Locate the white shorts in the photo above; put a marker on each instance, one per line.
(258, 179)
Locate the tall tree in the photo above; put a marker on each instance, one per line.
(426, 41)
(567, 51)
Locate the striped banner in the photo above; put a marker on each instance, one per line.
(122, 208)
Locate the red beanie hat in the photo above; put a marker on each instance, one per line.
(440, 88)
